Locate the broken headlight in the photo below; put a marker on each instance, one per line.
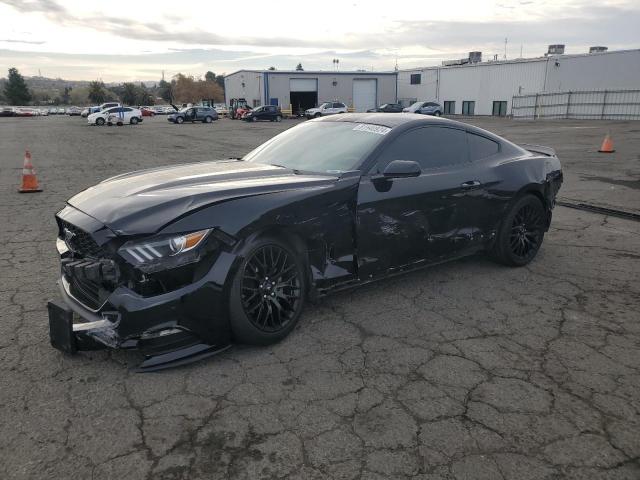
(162, 253)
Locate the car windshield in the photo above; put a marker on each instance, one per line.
(325, 105)
(415, 106)
(327, 147)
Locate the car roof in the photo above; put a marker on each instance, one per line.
(389, 120)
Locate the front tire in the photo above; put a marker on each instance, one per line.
(179, 120)
(268, 292)
(99, 121)
(317, 115)
(521, 234)
(278, 118)
(208, 119)
(134, 121)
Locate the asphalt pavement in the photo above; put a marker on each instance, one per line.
(468, 370)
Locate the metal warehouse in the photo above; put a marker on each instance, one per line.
(599, 84)
(300, 90)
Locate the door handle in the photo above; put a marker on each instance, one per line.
(470, 184)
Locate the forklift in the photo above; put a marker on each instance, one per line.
(237, 108)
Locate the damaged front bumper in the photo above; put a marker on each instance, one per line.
(169, 329)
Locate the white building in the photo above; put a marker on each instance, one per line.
(305, 89)
(487, 88)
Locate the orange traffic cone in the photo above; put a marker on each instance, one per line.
(607, 145)
(29, 180)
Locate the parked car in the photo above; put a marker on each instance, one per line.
(126, 114)
(147, 112)
(44, 112)
(221, 109)
(194, 114)
(327, 108)
(61, 110)
(109, 105)
(179, 261)
(7, 112)
(387, 108)
(89, 110)
(265, 112)
(73, 111)
(26, 112)
(425, 108)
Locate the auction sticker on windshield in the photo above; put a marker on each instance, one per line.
(365, 127)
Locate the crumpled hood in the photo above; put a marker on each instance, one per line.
(147, 200)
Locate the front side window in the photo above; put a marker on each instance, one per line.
(332, 147)
(431, 147)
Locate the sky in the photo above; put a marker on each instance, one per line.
(120, 40)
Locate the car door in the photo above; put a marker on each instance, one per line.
(125, 114)
(404, 221)
(268, 113)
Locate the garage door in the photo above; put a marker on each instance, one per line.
(303, 85)
(364, 94)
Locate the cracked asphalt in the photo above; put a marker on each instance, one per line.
(468, 370)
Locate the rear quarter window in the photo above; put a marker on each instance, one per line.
(481, 147)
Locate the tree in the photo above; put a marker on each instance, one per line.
(189, 90)
(66, 95)
(273, 68)
(129, 93)
(165, 91)
(143, 96)
(210, 76)
(16, 89)
(299, 67)
(96, 92)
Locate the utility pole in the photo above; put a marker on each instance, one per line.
(505, 48)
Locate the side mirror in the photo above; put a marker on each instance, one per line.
(402, 169)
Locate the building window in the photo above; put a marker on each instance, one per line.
(499, 108)
(416, 78)
(256, 103)
(468, 107)
(449, 107)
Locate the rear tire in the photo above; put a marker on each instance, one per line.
(521, 233)
(437, 114)
(268, 292)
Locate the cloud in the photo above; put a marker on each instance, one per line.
(29, 42)
(583, 24)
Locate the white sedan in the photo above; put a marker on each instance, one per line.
(123, 114)
(327, 108)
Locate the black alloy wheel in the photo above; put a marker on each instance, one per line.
(526, 232)
(271, 288)
(521, 233)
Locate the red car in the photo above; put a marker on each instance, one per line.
(147, 112)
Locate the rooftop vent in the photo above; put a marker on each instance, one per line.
(598, 49)
(557, 49)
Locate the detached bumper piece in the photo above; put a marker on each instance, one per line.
(165, 348)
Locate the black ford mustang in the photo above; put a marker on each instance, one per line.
(180, 261)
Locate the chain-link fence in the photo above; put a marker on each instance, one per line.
(596, 104)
